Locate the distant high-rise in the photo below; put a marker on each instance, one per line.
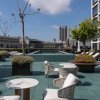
(63, 33)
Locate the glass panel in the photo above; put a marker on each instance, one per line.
(99, 17)
(99, 7)
(94, 1)
(95, 46)
(95, 20)
(95, 39)
(95, 10)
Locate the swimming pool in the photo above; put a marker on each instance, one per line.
(53, 56)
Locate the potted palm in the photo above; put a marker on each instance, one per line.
(21, 65)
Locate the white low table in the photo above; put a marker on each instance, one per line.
(68, 65)
(10, 97)
(67, 68)
(22, 84)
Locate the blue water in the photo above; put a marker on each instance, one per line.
(49, 52)
(52, 56)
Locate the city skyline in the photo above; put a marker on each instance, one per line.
(45, 25)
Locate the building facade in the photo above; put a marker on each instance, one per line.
(63, 33)
(95, 16)
(95, 10)
(9, 42)
(33, 43)
(16, 42)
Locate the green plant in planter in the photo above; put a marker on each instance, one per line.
(84, 58)
(21, 65)
(3, 54)
(21, 60)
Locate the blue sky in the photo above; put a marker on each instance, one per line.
(45, 24)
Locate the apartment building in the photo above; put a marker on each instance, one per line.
(95, 16)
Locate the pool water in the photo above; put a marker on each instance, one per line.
(52, 56)
(49, 52)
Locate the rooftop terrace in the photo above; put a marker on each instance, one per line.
(87, 89)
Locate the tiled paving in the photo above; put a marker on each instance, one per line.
(87, 89)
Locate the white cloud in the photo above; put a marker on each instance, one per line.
(51, 6)
(55, 27)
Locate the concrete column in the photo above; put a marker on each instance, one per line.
(91, 45)
(78, 49)
(98, 44)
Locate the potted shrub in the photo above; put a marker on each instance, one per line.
(21, 65)
(3, 55)
(84, 58)
(85, 63)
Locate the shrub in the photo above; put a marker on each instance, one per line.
(21, 60)
(3, 53)
(91, 51)
(84, 58)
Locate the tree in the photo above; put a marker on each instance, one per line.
(5, 27)
(22, 12)
(87, 30)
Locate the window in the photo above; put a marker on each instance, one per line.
(99, 17)
(95, 20)
(95, 10)
(95, 46)
(94, 1)
(94, 39)
(99, 6)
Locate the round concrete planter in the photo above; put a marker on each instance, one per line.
(86, 67)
